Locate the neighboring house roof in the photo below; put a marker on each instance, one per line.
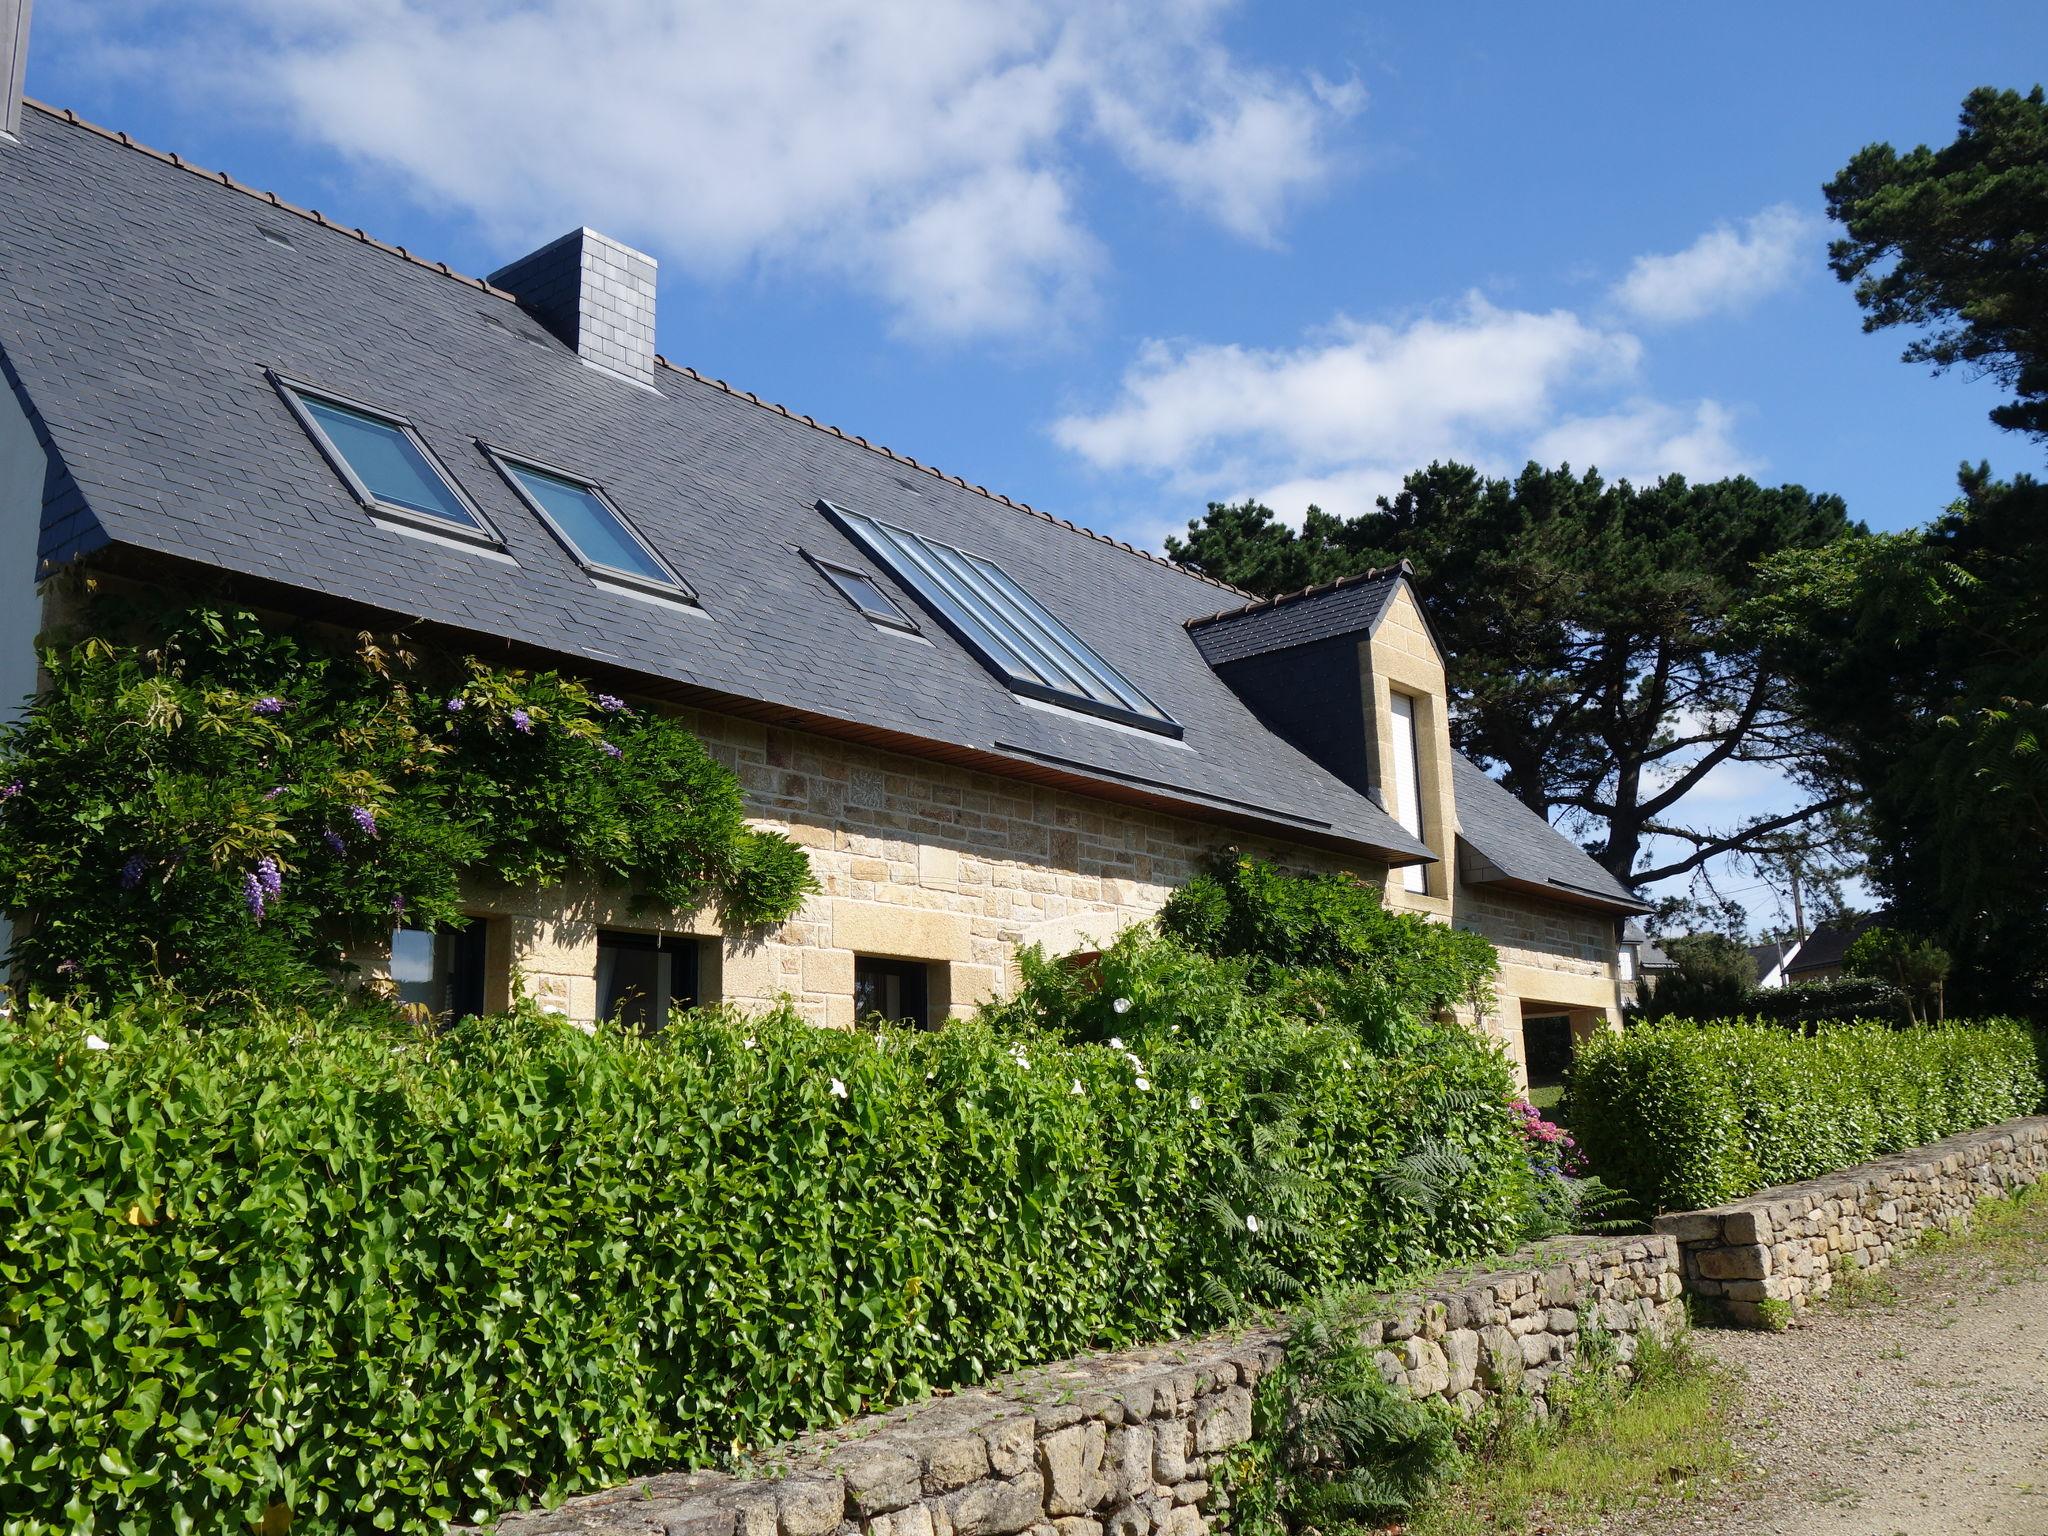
(1772, 959)
(143, 301)
(1825, 948)
(1515, 846)
(1650, 955)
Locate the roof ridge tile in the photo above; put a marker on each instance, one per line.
(1315, 589)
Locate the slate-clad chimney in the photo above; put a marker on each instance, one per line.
(13, 63)
(594, 293)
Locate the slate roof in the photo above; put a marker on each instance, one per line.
(142, 301)
(1350, 606)
(1527, 850)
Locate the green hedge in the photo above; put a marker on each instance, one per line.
(384, 1279)
(1685, 1115)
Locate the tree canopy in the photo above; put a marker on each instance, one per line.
(1922, 658)
(1586, 629)
(1957, 239)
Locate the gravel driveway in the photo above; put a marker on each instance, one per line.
(1920, 1412)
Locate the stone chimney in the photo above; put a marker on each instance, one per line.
(594, 293)
(13, 63)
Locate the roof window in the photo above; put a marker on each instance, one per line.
(384, 462)
(1034, 654)
(865, 593)
(590, 526)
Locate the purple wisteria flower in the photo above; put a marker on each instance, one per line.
(455, 706)
(333, 840)
(610, 703)
(610, 749)
(272, 794)
(67, 967)
(269, 876)
(364, 817)
(252, 896)
(522, 721)
(131, 872)
(8, 792)
(398, 905)
(269, 704)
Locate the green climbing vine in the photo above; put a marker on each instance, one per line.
(206, 797)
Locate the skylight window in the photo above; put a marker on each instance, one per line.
(590, 527)
(865, 593)
(385, 463)
(1031, 651)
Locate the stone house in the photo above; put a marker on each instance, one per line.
(990, 727)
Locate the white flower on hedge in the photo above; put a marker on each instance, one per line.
(1078, 1091)
(748, 1042)
(95, 1043)
(1194, 1101)
(1132, 1058)
(838, 1089)
(1143, 1086)
(588, 1026)
(1122, 1005)
(1116, 1042)
(1251, 1223)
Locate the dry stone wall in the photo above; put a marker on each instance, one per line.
(1783, 1247)
(1129, 1443)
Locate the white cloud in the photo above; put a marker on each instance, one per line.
(930, 150)
(1725, 270)
(1341, 418)
(1646, 440)
(1362, 393)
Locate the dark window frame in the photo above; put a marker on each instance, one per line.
(915, 985)
(1159, 723)
(895, 618)
(508, 463)
(295, 392)
(685, 951)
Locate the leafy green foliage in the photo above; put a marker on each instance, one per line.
(1917, 967)
(1333, 1444)
(1924, 657)
(386, 1278)
(203, 797)
(1326, 946)
(1951, 243)
(1843, 1000)
(1585, 627)
(1712, 977)
(1349, 1161)
(1686, 1115)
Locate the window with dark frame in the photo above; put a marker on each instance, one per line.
(898, 990)
(589, 525)
(644, 978)
(1006, 628)
(865, 593)
(441, 970)
(385, 463)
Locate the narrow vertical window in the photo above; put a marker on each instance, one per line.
(1408, 786)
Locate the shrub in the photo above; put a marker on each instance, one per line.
(210, 798)
(382, 1279)
(1329, 944)
(1917, 967)
(1685, 1115)
(1843, 1000)
(1711, 977)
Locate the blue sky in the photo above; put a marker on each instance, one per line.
(1120, 257)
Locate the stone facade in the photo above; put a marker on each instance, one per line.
(1786, 1245)
(1129, 1444)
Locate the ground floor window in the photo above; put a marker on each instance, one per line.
(642, 976)
(899, 990)
(441, 971)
